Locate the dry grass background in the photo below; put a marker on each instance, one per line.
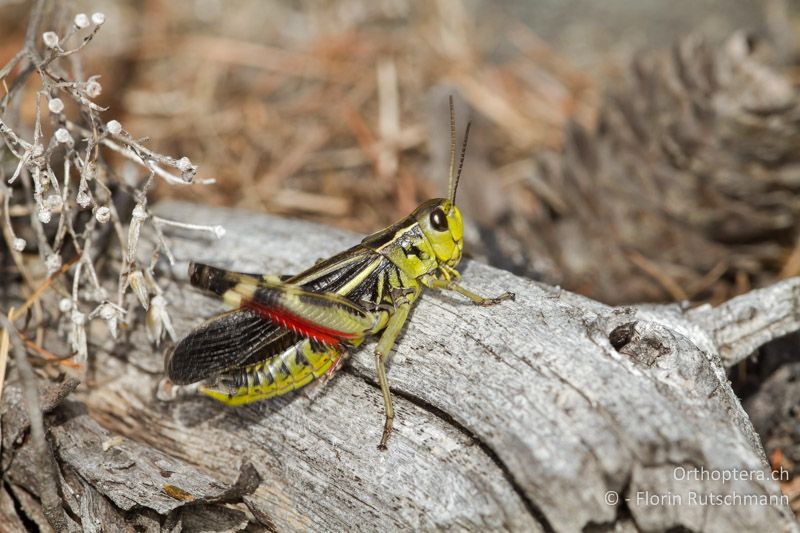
(323, 112)
(336, 111)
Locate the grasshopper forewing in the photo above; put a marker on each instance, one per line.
(283, 334)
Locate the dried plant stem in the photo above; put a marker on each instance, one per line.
(48, 355)
(45, 467)
(34, 21)
(3, 360)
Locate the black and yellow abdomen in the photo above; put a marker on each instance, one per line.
(295, 367)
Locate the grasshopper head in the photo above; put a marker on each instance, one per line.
(440, 221)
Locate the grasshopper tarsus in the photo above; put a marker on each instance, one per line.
(488, 302)
(506, 296)
(387, 431)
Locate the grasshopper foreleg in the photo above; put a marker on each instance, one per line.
(477, 299)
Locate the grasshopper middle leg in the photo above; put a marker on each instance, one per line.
(389, 335)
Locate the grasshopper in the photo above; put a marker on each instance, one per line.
(284, 333)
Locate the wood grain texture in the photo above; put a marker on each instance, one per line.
(517, 417)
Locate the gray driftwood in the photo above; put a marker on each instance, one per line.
(528, 416)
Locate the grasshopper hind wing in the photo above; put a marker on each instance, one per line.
(224, 342)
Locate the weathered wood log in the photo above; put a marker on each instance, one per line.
(553, 412)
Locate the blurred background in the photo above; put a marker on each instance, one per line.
(630, 150)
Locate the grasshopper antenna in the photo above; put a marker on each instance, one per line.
(455, 176)
(461, 162)
(452, 173)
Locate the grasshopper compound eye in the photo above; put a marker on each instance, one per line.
(438, 220)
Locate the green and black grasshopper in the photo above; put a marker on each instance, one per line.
(285, 333)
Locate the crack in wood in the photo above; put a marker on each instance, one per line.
(533, 509)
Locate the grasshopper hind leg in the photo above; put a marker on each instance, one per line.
(313, 390)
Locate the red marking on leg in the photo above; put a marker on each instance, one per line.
(334, 366)
(300, 325)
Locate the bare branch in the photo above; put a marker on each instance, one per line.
(45, 468)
